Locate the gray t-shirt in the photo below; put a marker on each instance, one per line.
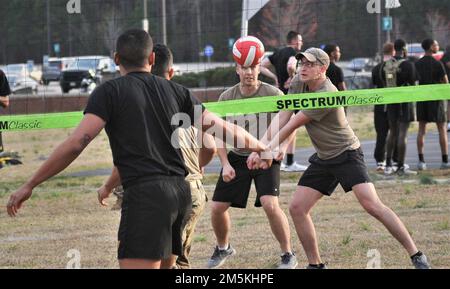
(330, 133)
(255, 124)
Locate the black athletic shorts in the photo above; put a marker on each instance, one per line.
(267, 182)
(347, 169)
(154, 213)
(431, 111)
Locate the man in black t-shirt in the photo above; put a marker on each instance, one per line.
(334, 72)
(401, 72)
(431, 71)
(285, 64)
(140, 112)
(380, 112)
(5, 91)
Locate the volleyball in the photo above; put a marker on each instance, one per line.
(248, 51)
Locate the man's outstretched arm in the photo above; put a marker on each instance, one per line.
(89, 127)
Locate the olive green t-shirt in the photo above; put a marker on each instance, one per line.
(255, 124)
(329, 130)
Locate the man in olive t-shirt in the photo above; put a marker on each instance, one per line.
(339, 160)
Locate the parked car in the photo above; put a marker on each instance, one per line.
(52, 71)
(102, 67)
(17, 69)
(361, 64)
(357, 80)
(20, 84)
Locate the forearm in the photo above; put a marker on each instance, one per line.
(223, 156)
(265, 71)
(207, 151)
(60, 159)
(113, 180)
(230, 133)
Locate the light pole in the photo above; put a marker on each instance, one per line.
(49, 41)
(164, 21)
(145, 20)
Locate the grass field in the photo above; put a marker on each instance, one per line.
(63, 214)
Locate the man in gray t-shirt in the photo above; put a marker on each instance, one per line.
(339, 160)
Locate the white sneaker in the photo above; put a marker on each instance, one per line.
(282, 166)
(381, 166)
(295, 168)
(445, 166)
(448, 127)
(389, 170)
(421, 166)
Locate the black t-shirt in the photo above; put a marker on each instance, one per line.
(406, 76)
(4, 85)
(430, 70)
(280, 60)
(138, 110)
(335, 74)
(446, 59)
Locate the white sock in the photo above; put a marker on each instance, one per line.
(223, 248)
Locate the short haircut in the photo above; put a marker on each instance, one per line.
(399, 45)
(330, 48)
(291, 36)
(388, 48)
(427, 43)
(163, 60)
(134, 48)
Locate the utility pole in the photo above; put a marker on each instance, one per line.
(388, 32)
(145, 20)
(199, 29)
(49, 41)
(164, 21)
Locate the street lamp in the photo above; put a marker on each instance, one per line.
(145, 20)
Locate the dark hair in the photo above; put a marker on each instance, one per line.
(134, 47)
(330, 48)
(388, 48)
(399, 45)
(427, 43)
(163, 60)
(291, 36)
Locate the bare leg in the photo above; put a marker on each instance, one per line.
(139, 264)
(421, 136)
(368, 198)
(303, 201)
(221, 222)
(278, 222)
(443, 138)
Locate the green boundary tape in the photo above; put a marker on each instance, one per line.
(258, 105)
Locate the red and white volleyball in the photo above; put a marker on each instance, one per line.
(248, 51)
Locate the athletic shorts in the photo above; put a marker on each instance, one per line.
(154, 213)
(431, 111)
(347, 169)
(267, 183)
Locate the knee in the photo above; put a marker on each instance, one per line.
(218, 208)
(270, 205)
(297, 210)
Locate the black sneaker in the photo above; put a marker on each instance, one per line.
(420, 262)
(320, 266)
(220, 256)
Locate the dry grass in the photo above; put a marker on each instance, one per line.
(59, 218)
(63, 214)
